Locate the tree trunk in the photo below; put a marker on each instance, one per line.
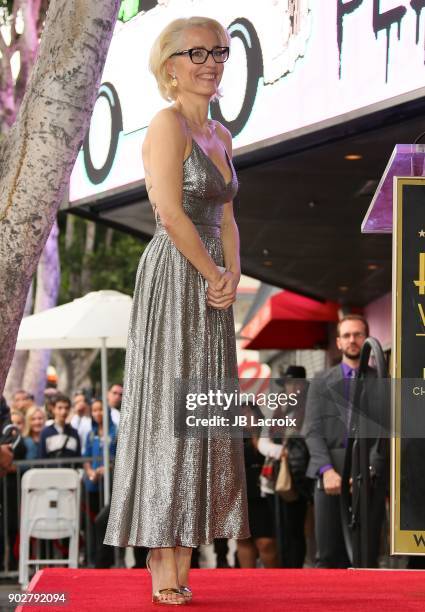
(15, 376)
(72, 367)
(88, 252)
(48, 277)
(74, 277)
(28, 369)
(109, 237)
(69, 231)
(38, 153)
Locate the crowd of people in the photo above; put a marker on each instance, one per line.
(286, 530)
(44, 428)
(61, 429)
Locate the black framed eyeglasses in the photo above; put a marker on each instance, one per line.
(199, 55)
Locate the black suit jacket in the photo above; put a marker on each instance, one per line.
(325, 422)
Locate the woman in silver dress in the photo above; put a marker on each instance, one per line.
(172, 493)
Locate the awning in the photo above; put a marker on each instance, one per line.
(289, 321)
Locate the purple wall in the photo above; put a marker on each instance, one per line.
(378, 314)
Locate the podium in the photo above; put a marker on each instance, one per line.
(398, 206)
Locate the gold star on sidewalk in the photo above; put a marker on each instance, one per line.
(422, 233)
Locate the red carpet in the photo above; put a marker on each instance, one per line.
(239, 590)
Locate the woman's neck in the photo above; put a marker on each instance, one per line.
(195, 110)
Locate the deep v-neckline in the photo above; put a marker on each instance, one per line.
(214, 165)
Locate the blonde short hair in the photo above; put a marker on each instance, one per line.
(168, 42)
(28, 416)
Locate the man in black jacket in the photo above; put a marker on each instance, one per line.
(7, 455)
(60, 439)
(326, 425)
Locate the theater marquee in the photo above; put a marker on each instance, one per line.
(296, 66)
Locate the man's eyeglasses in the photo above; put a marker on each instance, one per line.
(355, 335)
(199, 55)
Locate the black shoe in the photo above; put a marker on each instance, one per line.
(222, 563)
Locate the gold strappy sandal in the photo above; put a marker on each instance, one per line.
(187, 592)
(156, 597)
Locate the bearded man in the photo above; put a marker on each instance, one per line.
(327, 421)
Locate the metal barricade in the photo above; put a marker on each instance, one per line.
(10, 504)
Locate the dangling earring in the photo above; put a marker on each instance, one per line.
(174, 81)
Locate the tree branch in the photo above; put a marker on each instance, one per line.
(14, 36)
(36, 10)
(7, 97)
(16, 7)
(44, 5)
(4, 48)
(28, 45)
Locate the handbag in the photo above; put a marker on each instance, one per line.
(298, 459)
(284, 485)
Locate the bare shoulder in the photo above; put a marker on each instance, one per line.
(168, 121)
(225, 135)
(166, 129)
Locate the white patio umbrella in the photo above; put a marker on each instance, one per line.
(98, 320)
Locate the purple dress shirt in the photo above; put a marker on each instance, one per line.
(348, 373)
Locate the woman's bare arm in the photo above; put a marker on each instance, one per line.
(229, 229)
(166, 151)
(230, 241)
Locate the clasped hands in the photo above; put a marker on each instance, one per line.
(221, 293)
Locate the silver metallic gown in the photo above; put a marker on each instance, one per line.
(170, 490)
